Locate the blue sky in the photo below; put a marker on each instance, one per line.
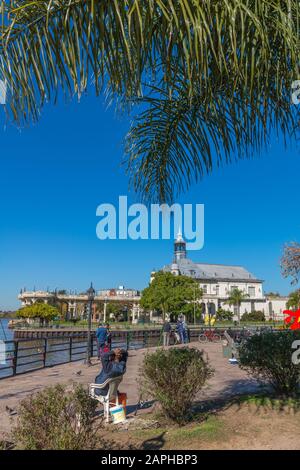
(56, 172)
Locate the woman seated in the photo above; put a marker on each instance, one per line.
(113, 365)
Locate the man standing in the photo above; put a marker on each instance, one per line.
(166, 333)
(180, 329)
(102, 337)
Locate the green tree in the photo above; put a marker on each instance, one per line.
(268, 358)
(236, 297)
(224, 315)
(290, 261)
(171, 294)
(254, 316)
(213, 78)
(294, 300)
(42, 311)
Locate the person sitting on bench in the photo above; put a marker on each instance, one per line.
(113, 365)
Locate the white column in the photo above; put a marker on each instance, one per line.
(104, 310)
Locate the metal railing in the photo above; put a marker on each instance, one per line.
(27, 355)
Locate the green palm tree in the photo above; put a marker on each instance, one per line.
(294, 300)
(213, 78)
(235, 298)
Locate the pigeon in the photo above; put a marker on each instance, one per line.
(10, 411)
(79, 372)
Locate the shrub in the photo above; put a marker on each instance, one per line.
(224, 315)
(253, 316)
(57, 418)
(268, 357)
(173, 377)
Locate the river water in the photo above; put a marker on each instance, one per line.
(31, 352)
(5, 333)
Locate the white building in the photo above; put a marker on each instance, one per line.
(218, 280)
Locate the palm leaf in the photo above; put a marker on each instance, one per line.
(220, 73)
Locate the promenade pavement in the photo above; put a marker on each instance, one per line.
(227, 381)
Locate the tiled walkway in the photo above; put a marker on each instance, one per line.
(228, 380)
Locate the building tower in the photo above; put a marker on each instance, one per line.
(179, 248)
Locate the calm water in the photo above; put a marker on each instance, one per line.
(5, 332)
(30, 353)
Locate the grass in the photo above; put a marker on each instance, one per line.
(210, 429)
(272, 403)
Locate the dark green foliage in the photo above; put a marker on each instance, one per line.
(268, 357)
(253, 316)
(173, 377)
(224, 315)
(57, 418)
(171, 294)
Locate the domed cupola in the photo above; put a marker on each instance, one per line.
(179, 247)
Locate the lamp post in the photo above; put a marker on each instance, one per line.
(91, 296)
(195, 304)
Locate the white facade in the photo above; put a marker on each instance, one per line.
(217, 281)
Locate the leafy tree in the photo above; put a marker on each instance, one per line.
(268, 357)
(62, 292)
(173, 378)
(213, 78)
(235, 298)
(171, 294)
(42, 311)
(254, 316)
(294, 300)
(290, 261)
(272, 294)
(224, 315)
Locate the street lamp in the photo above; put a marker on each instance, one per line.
(91, 296)
(195, 304)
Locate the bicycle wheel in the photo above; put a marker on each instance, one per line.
(203, 338)
(216, 338)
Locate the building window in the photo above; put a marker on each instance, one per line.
(217, 288)
(233, 288)
(251, 291)
(204, 288)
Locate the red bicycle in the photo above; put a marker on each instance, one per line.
(209, 335)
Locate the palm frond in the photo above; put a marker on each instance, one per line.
(178, 140)
(220, 74)
(65, 44)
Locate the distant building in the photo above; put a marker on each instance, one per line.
(119, 291)
(75, 303)
(218, 280)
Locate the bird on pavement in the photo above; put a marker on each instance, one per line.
(10, 411)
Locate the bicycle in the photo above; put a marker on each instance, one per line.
(209, 335)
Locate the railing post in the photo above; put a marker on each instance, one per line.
(45, 352)
(92, 345)
(145, 338)
(70, 348)
(15, 358)
(127, 340)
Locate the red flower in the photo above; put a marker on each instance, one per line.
(292, 318)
